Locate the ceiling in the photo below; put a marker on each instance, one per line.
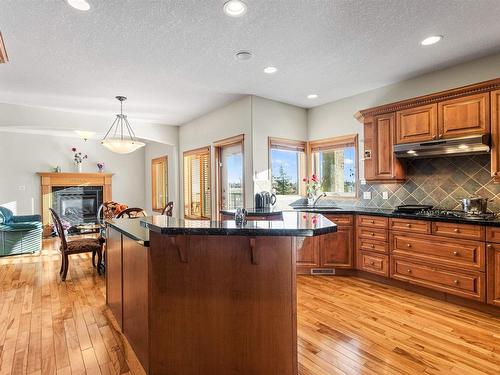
(175, 59)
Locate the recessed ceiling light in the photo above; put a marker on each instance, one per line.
(270, 70)
(312, 96)
(235, 8)
(79, 4)
(243, 55)
(431, 40)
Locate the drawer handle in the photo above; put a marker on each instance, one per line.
(408, 245)
(455, 253)
(408, 270)
(372, 234)
(456, 282)
(489, 246)
(372, 263)
(456, 230)
(408, 225)
(372, 246)
(372, 221)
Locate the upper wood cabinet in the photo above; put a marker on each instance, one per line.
(380, 161)
(417, 124)
(495, 135)
(464, 116)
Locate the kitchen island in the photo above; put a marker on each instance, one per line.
(208, 297)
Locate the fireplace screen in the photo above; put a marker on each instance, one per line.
(77, 205)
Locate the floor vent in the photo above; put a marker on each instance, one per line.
(322, 271)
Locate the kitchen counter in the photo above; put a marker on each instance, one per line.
(131, 228)
(292, 223)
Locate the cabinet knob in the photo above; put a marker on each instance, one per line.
(434, 136)
(456, 282)
(408, 225)
(372, 221)
(440, 136)
(372, 234)
(456, 230)
(372, 263)
(408, 270)
(372, 246)
(455, 253)
(408, 245)
(489, 246)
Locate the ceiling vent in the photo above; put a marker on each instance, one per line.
(3, 52)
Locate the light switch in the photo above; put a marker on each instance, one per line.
(385, 195)
(367, 195)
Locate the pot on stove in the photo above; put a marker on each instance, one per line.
(474, 205)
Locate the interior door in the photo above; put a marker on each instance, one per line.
(231, 176)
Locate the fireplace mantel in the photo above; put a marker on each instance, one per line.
(50, 179)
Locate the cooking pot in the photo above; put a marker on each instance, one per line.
(474, 205)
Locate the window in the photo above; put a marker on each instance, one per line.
(159, 183)
(287, 161)
(334, 161)
(197, 184)
(230, 176)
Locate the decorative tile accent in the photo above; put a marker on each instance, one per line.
(441, 182)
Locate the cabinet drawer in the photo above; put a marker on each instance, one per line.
(469, 285)
(451, 253)
(373, 246)
(493, 234)
(372, 221)
(408, 225)
(372, 233)
(466, 231)
(341, 220)
(374, 263)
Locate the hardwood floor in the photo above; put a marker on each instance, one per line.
(346, 325)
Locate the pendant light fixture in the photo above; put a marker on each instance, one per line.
(119, 141)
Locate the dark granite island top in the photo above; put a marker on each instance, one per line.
(293, 224)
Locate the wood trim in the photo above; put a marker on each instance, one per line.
(230, 141)
(342, 140)
(495, 134)
(286, 142)
(161, 159)
(197, 151)
(476, 88)
(3, 52)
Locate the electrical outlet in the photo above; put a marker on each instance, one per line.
(367, 195)
(385, 195)
(22, 188)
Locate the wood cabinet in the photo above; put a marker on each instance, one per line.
(387, 166)
(465, 231)
(463, 116)
(408, 225)
(417, 124)
(372, 246)
(114, 297)
(307, 251)
(373, 263)
(336, 249)
(493, 274)
(495, 135)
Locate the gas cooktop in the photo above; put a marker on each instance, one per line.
(430, 211)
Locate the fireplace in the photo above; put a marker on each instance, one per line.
(77, 204)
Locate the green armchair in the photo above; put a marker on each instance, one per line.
(19, 234)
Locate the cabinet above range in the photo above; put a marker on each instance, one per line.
(469, 113)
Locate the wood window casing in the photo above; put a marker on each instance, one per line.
(203, 155)
(162, 164)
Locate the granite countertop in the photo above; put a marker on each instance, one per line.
(131, 228)
(293, 223)
(371, 211)
(266, 211)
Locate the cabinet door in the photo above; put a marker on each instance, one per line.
(464, 116)
(495, 135)
(307, 251)
(114, 274)
(336, 248)
(493, 274)
(416, 124)
(386, 166)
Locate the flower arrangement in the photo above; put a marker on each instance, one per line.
(313, 186)
(100, 166)
(78, 157)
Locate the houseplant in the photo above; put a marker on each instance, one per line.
(313, 186)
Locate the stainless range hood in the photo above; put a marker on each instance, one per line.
(474, 144)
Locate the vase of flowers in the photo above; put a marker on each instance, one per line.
(78, 158)
(313, 186)
(100, 167)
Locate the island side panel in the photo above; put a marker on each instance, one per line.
(114, 296)
(214, 311)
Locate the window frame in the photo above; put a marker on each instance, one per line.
(290, 145)
(219, 145)
(332, 143)
(199, 151)
(158, 160)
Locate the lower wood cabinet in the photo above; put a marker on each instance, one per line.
(307, 251)
(336, 249)
(493, 274)
(373, 263)
(469, 285)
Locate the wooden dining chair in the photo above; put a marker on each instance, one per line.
(76, 246)
(168, 209)
(131, 213)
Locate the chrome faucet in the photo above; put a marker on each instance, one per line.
(318, 198)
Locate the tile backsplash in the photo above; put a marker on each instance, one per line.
(441, 182)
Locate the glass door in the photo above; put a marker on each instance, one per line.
(231, 176)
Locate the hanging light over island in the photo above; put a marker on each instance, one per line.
(121, 138)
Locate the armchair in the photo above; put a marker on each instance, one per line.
(19, 234)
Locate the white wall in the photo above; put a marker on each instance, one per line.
(336, 118)
(155, 150)
(229, 121)
(22, 155)
(273, 119)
